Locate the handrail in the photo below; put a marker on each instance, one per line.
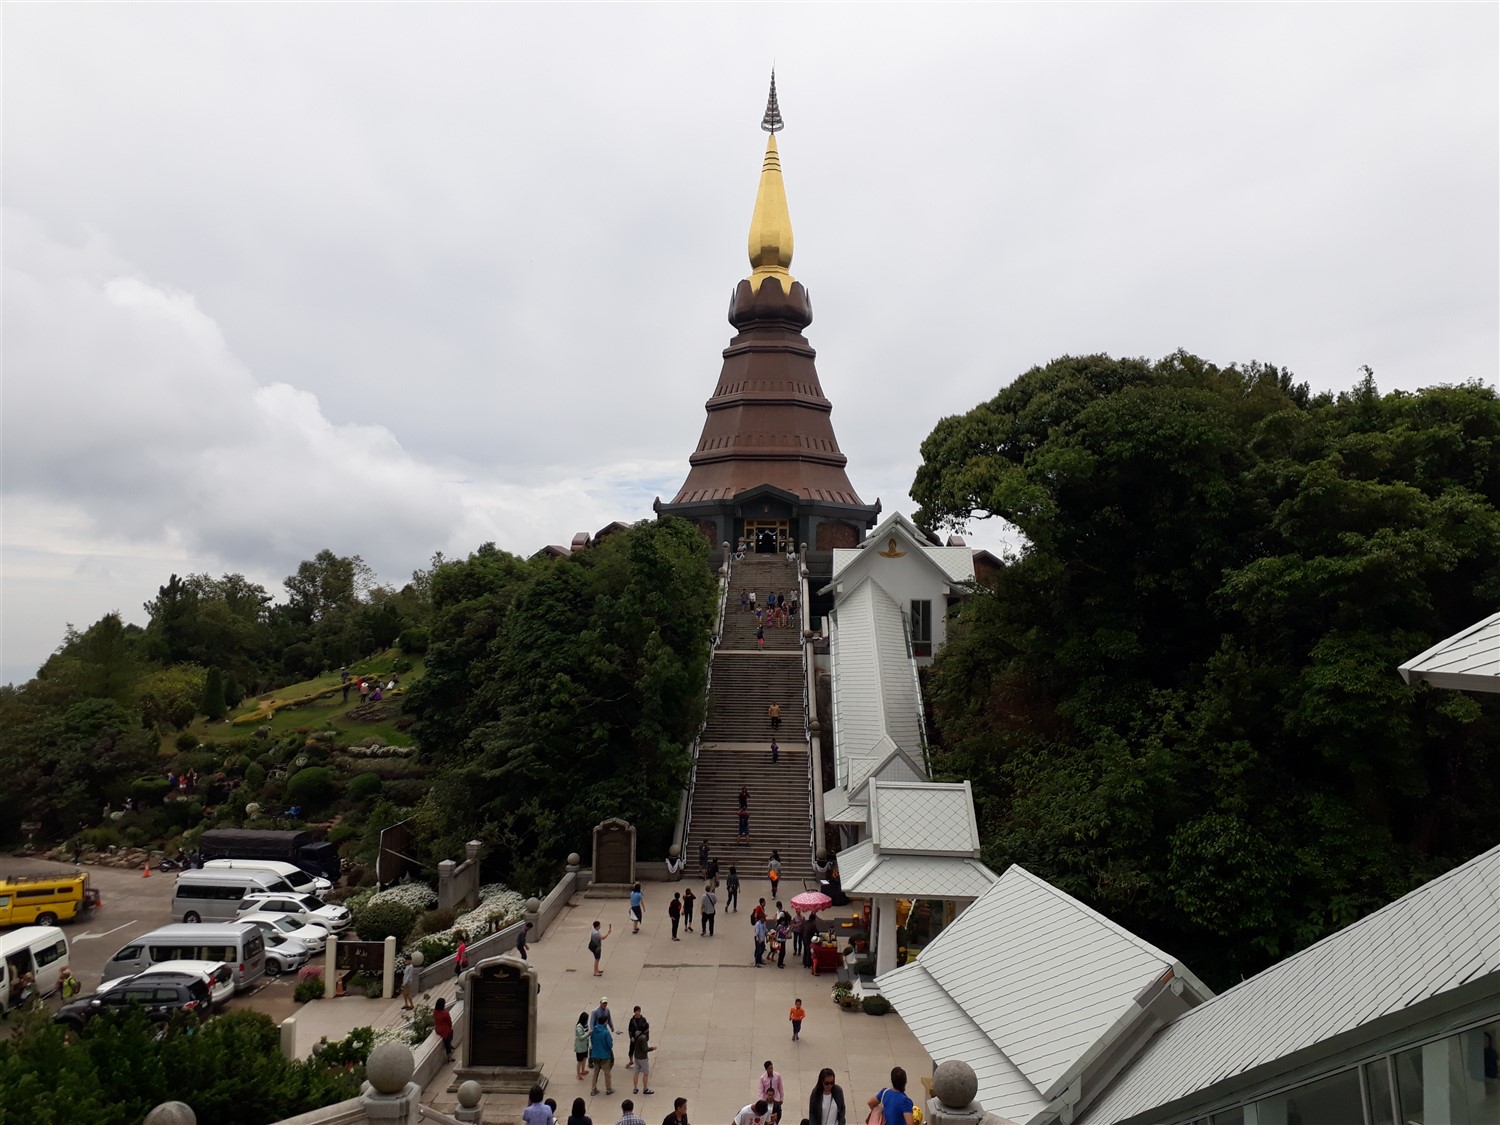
(809, 703)
(685, 808)
(916, 681)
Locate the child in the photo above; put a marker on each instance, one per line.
(798, 1015)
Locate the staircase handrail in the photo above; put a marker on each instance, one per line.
(685, 808)
(809, 703)
(916, 681)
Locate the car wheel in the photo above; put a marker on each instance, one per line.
(192, 916)
(272, 968)
(47, 918)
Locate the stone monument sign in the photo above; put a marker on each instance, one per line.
(614, 853)
(498, 1048)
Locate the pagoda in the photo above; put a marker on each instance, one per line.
(768, 470)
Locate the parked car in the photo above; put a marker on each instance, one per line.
(310, 938)
(283, 954)
(218, 975)
(159, 996)
(308, 908)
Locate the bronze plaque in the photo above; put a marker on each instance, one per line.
(612, 854)
(361, 956)
(498, 1027)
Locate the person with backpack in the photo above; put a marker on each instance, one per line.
(895, 1106)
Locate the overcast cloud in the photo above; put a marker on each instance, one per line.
(398, 279)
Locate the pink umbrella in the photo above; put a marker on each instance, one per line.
(811, 902)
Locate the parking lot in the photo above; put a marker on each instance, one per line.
(134, 905)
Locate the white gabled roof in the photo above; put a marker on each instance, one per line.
(956, 564)
(923, 818)
(874, 690)
(1038, 979)
(864, 871)
(1444, 934)
(895, 764)
(1467, 661)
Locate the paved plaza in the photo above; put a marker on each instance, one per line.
(715, 1018)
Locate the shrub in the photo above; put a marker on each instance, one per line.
(381, 920)
(875, 1005)
(185, 741)
(310, 989)
(313, 786)
(421, 1024)
(415, 638)
(255, 776)
(148, 790)
(363, 786)
(102, 838)
(341, 833)
(353, 1048)
(435, 949)
(401, 665)
(435, 921)
(174, 816)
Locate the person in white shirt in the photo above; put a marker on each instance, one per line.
(756, 1113)
(826, 1105)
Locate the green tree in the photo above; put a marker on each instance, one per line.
(170, 697)
(213, 705)
(1179, 700)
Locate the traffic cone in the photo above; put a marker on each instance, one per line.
(146, 870)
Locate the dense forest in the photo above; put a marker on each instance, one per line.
(1179, 699)
(544, 695)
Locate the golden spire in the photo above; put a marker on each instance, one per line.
(771, 225)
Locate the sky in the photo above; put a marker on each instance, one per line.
(405, 278)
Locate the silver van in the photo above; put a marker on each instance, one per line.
(237, 944)
(215, 896)
(299, 879)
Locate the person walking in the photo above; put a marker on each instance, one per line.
(773, 870)
(408, 985)
(674, 912)
(703, 857)
(708, 908)
(602, 1058)
(688, 898)
(826, 1104)
(809, 931)
(71, 985)
(743, 835)
(893, 1102)
(637, 901)
(581, 1031)
(775, 751)
(775, 712)
(678, 1116)
(463, 947)
(760, 940)
(797, 1015)
(461, 954)
(596, 945)
(442, 1026)
(771, 1090)
(732, 890)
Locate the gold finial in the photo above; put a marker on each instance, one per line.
(771, 225)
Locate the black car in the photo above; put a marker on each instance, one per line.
(160, 996)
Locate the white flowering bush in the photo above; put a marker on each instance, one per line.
(415, 896)
(498, 907)
(378, 751)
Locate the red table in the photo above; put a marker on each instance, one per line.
(825, 956)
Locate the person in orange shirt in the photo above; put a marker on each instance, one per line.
(798, 1015)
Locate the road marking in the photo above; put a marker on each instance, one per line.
(106, 933)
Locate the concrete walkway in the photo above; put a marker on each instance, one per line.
(715, 1018)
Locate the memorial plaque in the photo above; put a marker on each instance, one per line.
(614, 852)
(499, 1026)
(360, 956)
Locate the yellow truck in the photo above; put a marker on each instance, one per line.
(45, 900)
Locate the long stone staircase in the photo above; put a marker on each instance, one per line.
(736, 744)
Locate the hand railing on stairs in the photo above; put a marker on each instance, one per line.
(916, 681)
(809, 705)
(685, 808)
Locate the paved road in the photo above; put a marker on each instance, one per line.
(133, 905)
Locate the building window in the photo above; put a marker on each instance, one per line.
(921, 628)
(1334, 1100)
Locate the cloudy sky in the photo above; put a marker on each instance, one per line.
(395, 279)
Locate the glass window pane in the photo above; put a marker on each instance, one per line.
(1378, 1086)
(1234, 1116)
(1334, 1100)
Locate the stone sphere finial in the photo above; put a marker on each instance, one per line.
(822, 855)
(573, 859)
(418, 957)
(469, 1094)
(533, 904)
(390, 1068)
(673, 852)
(172, 1113)
(955, 1084)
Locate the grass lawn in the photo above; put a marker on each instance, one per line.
(299, 705)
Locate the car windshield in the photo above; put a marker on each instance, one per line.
(310, 901)
(287, 926)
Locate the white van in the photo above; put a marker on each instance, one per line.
(299, 879)
(215, 896)
(239, 944)
(40, 950)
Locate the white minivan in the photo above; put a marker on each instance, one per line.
(40, 950)
(300, 880)
(238, 944)
(215, 896)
